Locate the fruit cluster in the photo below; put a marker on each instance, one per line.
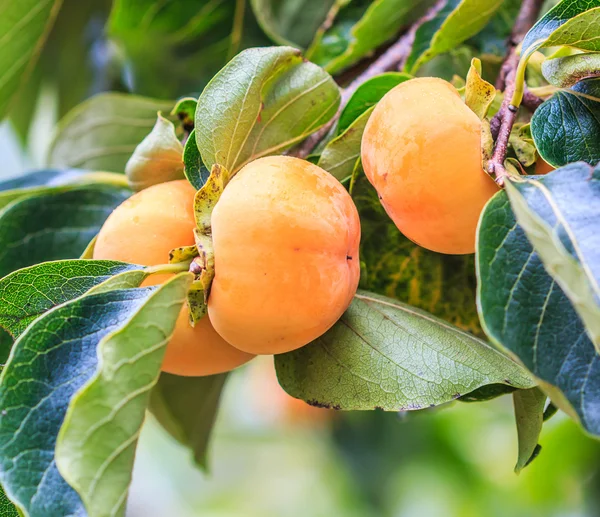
(286, 233)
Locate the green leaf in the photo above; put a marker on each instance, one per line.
(187, 408)
(45, 177)
(49, 363)
(560, 213)
(548, 337)
(7, 509)
(564, 72)
(367, 95)
(455, 22)
(492, 38)
(263, 102)
(443, 285)
(292, 22)
(96, 445)
(157, 159)
(529, 413)
(341, 154)
(566, 128)
(195, 171)
(361, 28)
(24, 26)
(102, 132)
(570, 22)
(385, 354)
(172, 47)
(54, 226)
(28, 293)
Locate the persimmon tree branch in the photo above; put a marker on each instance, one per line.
(392, 59)
(504, 120)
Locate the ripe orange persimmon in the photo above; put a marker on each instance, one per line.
(542, 167)
(142, 230)
(421, 150)
(285, 236)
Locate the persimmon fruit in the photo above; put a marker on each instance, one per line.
(421, 150)
(143, 230)
(285, 236)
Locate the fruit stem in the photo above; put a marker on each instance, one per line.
(512, 80)
(162, 269)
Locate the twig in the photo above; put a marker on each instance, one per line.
(393, 58)
(503, 122)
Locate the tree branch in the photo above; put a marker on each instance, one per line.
(393, 58)
(504, 120)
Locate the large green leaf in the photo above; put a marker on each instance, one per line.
(263, 102)
(492, 38)
(49, 363)
(97, 441)
(361, 28)
(187, 408)
(54, 226)
(570, 22)
(560, 213)
(525, 311)
(292, 22)
(28, 293)
(102, 132)
(455, 22)
(173, 48)
(566, 128)
(24, 26)
(443, 285)
(388, 355)
(7, 509)
(341, 154)
(367, 95)
(529, 413)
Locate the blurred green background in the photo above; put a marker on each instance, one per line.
(270, 459)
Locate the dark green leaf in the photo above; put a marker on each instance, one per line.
(173, 47)
(7, 509)
(570, 22)
(102, 133)
(529, 414)
(6, 343)
(54, 226)
(368, 94)
(96, 445)
(187, 408)
(524, 310)
(263, 102)
(385, 354)
(28, 293)
(488, 392)
(195, 171)
(47, 177)
(361, 28)
(51, 361)
(341, 155)
(455, 22)
(291, 22)
(24, 26)
(560, 213)
(564, 72)
(566, 128)
(492, 38)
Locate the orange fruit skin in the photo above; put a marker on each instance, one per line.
(543, 167)
(143, 230)
(421, 150)
(285, 236)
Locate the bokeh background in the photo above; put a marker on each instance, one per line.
(272, 456)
